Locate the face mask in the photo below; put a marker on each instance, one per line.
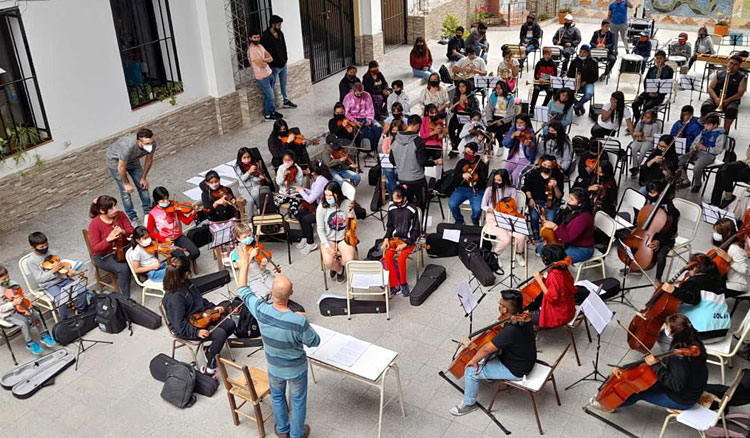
(682, 42)
(520, 128)
(287, 165)
(434, 118)
(148, 148)
(42, 250)
(331, 201)
(583, 57)
(567, 25)
(254, 42)
(529, 23)
(396, 115)
(339, 116)
(213, 186)
(282, 133)
(650, 198)
(164, 204)
(469, 157)
(434, 83)
(398, 92)
(145, 242)
(717, 237)
(644, 39)
(5, 283)
(247, 240)
(546, 170)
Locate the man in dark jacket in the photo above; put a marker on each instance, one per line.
(529, 36)
(605, 39)
(588, 73)
(456, 45)
(568, 38)
(274, 42)
(469, 183)
(645, 100)
(410, 157)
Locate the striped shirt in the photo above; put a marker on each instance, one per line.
(283, 333)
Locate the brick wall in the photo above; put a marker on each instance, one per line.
(368, 48)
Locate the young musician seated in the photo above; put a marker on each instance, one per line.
(401, 232)
(311, 197)
(165, 227)
(587, 72)
(604, 39)
(556, 142)
(587, 176)
(57, 282)
(144, 262)
(469, 181)
(613, 114)
(26, 319)
(646, 100)
(729, 99)
(663, 241)
(510, 355)
(358, 106)
(344, 131)
(398, 96)
(661, 163)
(464, 104)
(107, 226)
(545, 68)
(521, 144)
(704, 45)
(680, 379)
(396, 115)
(500, 110)
(574, 226)
(643, 138)
(560, 109)
(218, 200)
(340, 163)
(475, 132)
(432, 130)
(705, 149)
(642, 48)
(556, 306)
(283, 138)
(253, 182)
(543, 187)
(688, 127)
(739, 250)
(259, 277)
(332, 218)
(499, 194)
(275, 145)
(568, 38)
(508, 68)
(530, 36)
(604, 192)
(288, 177)
(183, 300)
(728, 175)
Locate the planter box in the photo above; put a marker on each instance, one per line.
(721, 30)
(561, 17)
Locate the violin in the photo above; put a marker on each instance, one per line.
(458, 366)
(51, 260)
(297, 139)
(350, 237)
(179, 207)
(348, 124)
(120, 243)
(438, 125)
(14, 292)
(162, 248)
(206, 318)
(258, 167)
(532, 290)
(263, 253)
(343, 153)
(651, 221)
(471, 169)
(601, 194)
(633, 378)
(222, 192)
(290, 175)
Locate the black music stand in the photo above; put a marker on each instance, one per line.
(512, 224)
(599, 315)
(81, 347)
(711, 214)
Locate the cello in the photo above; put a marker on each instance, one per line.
(633, 378)
(532, 290)
(651, 221)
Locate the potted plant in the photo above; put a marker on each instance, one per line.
(722, 25)
(561, 13)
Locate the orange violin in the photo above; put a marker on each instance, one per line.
(222, 192)
(297, 139)
(162, 248)
(508, 206)
(14, 292)
(263, 254)
(202, 320)
(51, 260)
(179, 207)
(348, 124)
(350, 237)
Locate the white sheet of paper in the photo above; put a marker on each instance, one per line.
(541, 113)
(591, 287)
(698, 417)
(226, 171)
(433, 172)
(195, 180)
(349, 351)
(366, 281)
(596, 312)
(385, 161)
(468, 302)
(452, 235)
(324, 334)
(194, 193)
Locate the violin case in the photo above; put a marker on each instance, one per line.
(139, 314)
(66, 331)
(209, 282)
(439, 247)
(159, 367)
(25, 380)
(610, 289)
(334, 305)
(432, 277)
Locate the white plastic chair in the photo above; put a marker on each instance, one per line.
(349, 190)
(485, 235)
(689, 212)
(38, 297)
(145, 285)
(723, 351)
(356, 267)
(608, 226)
(630, 85)
(631, 200)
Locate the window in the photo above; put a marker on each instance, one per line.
(147, 48)
(23, 122)
(247, 16)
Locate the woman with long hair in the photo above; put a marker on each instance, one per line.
(556, 142)
(283, 139)
(166, 226)
(613, 114)
(560, 108)
(420, 59)
(332, 215)
(604, 191)
(521, 144)
(108, 224)
(252, 182)
(434, 93)
(500, 110)
(313, 196)
(574, 226)
(500, 196)
(661, 163)
(391, 176)
(464, 104)
(739, 250)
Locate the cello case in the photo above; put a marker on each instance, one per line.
(25, 380)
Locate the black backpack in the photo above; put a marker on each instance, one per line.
(247, 326)
(179, 385)
(110, 316)
(581, 144)
(373, 175)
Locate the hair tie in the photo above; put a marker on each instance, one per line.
(172, 263)
(96, 200)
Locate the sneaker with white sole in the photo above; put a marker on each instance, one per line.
(595, 405)
(520, 260)
(301, 244)
(308, 248)
(462, 409)
(34, 348)
(48, 341)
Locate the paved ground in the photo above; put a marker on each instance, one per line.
(112, 393)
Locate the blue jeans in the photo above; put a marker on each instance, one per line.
(492, 370)
(339, 175)
(372, 133)
(577, 253)
(266, 86)
(298, 393)
(460, 194)
(282, 74)
(136, 173)
(60, 294)
(424, 74)
(157, 275)
(530, 48)
(588, 93)
(655, 395)
(391, 176)
(534, 216)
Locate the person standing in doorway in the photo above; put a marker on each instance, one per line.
(274, 42)
(618, 18)
(123, 159)
(260, 60)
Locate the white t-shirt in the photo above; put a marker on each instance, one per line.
(144, 259)
(478, 64)
(612, 122)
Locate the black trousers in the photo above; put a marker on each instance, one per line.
(192, 251)
(661, 258)
(535, 95)
(306, 222)
(645, 102)
(415, 191)
(726, 177)
(454, 129)
(217, 338)
(121, 269)
(600, 132)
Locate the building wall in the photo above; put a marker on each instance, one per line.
(429, 24)
(680, 12)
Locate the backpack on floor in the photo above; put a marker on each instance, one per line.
(471, 256)
(179, 385)
(373, 175)
(581, 144)
(110, 315)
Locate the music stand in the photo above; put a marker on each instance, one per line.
(599, 315)
(562, 82)
(711, 214)
(81, 347)
(541, 114)
(468, 303)
(691, 83)
(487, 82)
(661, 86)
(630, 258)
(512, 224)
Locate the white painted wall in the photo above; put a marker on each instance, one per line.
(370, 17)
(292, 28)
(78, 67)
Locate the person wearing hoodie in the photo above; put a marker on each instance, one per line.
(704, 45)
(689, 127)
(587, 70)
(410, 157)
(568, 37)
(401, 232)
(530, 35)
(605, 39)
(358, 106)
(545, 68)
(347, 82)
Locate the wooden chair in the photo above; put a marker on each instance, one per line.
(259, 221)
(252, 386)
(100, 278)
(193, 346)
(533, 383)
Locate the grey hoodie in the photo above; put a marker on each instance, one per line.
(408, 155)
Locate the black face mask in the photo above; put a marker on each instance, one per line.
(567, 25)
(651, 199)
(434, 83)
(254, 42)
(545, 170)
(434, 118)
(498, 185)
(282, 133)
(396, 115)
(339, 116)
(398, 92)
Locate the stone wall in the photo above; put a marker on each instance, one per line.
(299, 83)
(429, 25)
(368, 48)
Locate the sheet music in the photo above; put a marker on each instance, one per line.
(434, 171)
(324, 333)
(504, 221)
(485, 81)
(452, 235)
(541, 113)
(661, 86)
(698, 417)
(711, 214)
(349, 351)
(690, 83)
(466, 297)
(591, 287)
(562, 82)
(596, 312)
(385, 161)
(429, 221)
(366, 281)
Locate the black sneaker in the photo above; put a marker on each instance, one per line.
(269, 116)
(277, 115)
(341, 277)
(289, 104)
(332, 273)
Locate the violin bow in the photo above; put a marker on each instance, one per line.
(229, 314)
(635, 337)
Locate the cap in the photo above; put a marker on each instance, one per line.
(644, 33)
(569, 17)
(585, 47)
(683, 35)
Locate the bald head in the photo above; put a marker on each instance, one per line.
(281, 289)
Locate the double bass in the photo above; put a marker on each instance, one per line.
(651, 221)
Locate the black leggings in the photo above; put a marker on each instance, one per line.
(121, 269)
(454, 129)
(661, 259)
(218, 337)
(415, 191)
(192, 251)
(726, 177)
(306, 221)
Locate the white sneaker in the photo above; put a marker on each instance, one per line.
(462, 409)
(301, 244)
(308, 248)
(520, 260)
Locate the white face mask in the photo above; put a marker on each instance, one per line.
(667, 332)
(145, 242)
(287, 165)
(148, 148)
(717, 237)
(583, 57)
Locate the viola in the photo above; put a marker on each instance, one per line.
(222, 192)
(458, 366)
(162, 248)
(548, 235)
(651, 221)
(263, 253)
(14, 292)
(179, 207)
(508, 206)
(342, 153)
(532, 290)
(51, 260)
(350, 237)
(633, 378)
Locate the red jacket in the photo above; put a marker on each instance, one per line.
(558, 304)
(420, 62)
